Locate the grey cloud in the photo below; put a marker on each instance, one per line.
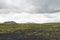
(35, 6)
(50, 6)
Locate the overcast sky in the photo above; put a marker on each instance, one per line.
(36, 6)
(30, 10)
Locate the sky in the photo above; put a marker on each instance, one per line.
(37, 11)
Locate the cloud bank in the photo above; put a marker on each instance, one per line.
(34, 6)
(22, 11)
(30, 18)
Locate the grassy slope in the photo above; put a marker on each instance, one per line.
(49, 30)
(13, 27)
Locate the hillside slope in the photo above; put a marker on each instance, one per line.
(30, 31)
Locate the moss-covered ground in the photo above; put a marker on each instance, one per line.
(30, 31)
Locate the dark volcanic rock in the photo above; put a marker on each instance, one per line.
(25, 35)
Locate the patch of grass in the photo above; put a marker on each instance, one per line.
(12, 27)
(31, 30)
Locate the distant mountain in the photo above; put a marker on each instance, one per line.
(9, 22)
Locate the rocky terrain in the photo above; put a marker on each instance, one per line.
(32, 34)
(48, 31)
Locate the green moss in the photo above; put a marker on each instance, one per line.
(27, 26)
